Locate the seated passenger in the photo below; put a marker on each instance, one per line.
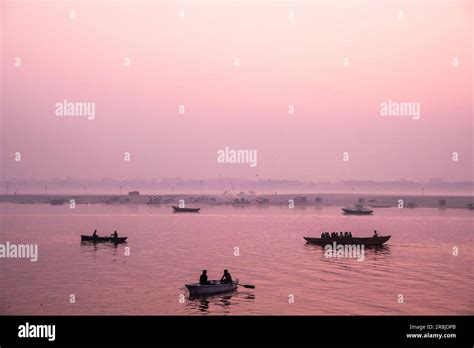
(226, 278)
(203, 278)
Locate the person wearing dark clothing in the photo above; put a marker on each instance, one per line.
(203, 278)
(94, 234)
(226, 278)
(115, 234)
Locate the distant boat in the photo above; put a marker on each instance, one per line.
(57, 201)
(470, 206)
(358, 209)
(177, 209)
(98, 239)
(239, 202)
(381, 206)
(154, 200)
(300, 199)
(366, 241)
(215, 287)
(112, 200)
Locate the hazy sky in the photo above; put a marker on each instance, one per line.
(238, 69)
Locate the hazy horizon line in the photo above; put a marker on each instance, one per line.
(260, 178)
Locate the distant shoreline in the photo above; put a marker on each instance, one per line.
(300, 200)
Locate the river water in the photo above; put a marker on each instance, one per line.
(416, 273)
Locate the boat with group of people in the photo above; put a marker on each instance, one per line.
(326, 235)
(347, 238)
(95, 238)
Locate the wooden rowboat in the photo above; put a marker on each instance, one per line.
(185, 210)
(97, 239)
(366, 241)
(215, 287)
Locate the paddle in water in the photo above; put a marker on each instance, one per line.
(248, 286)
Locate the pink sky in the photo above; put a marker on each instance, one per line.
(283, 62)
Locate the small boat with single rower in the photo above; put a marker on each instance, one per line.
(98, 239)
(177, 209)
(214, 287)
(366, 241)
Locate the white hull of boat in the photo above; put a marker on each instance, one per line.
(214, 288)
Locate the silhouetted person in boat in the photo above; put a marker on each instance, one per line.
(340, 235)
(226, 278)
(203, 278)
(95, 234)
(350, 234)
(115, 234)
(375, 234)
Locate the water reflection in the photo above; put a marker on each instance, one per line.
(379, 250)
(94, 247)
(368, 250)
(203, 304)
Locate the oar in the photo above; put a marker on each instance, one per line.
(248, 286)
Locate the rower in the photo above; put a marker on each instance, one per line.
(94, 235)
(115, 234)
(203, 278)
(375, 234)
(226, 278)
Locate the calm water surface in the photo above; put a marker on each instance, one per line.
(168, 250)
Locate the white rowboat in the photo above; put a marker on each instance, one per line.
(215, 287)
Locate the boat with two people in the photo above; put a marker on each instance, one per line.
(212, 287)
(113, 238)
